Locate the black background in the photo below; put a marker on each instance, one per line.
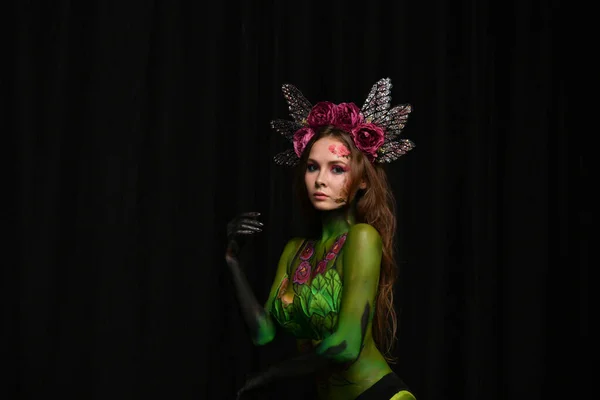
(135, 130)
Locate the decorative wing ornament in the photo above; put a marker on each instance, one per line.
(285, 128)
(378, 101)
(375, 110)
(394, 120)
(392, 150)
(299, 108)
(287, 158)
(297, 103)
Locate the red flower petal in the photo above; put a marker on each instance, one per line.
(307, 252)
(321, 267)
(302, 272)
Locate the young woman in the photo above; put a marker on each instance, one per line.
(333, 290)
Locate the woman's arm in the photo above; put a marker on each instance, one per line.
(261, 326)
(362, 263)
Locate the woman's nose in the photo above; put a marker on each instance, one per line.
(319, 181)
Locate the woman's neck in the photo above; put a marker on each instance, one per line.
(335, 222)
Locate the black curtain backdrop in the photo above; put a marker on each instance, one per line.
(134, 130)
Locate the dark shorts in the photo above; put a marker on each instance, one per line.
(384, 389)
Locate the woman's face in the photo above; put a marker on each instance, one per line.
(327, 174)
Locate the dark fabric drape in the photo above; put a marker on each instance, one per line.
(134, 130)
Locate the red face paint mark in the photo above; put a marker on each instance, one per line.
(339, 150)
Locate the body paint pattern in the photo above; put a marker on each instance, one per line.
(346, 362)
(316, 304)
(339, 150)
(336, 376)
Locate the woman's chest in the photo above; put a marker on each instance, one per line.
(308, 298)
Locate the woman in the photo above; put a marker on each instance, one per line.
(334, 289)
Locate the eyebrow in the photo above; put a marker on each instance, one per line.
(329, 162)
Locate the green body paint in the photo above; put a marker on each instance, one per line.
(311, 313)
(324, 293)
(265, 331)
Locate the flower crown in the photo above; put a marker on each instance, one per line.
(375, 128)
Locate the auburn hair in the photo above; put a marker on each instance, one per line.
(375, 206)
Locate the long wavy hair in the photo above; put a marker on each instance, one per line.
(375, 206)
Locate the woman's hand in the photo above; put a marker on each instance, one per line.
(262, 329)
(240, 229)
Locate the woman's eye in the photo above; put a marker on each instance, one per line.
(311, 167)
(338, 170)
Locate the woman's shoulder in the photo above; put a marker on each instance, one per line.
(293, 245)
(363, 231)
(363, 249)
(296, 241)
(291, 248)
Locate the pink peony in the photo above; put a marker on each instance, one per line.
(368, 138)
(301, 138)
(321, 114)
(347, 116)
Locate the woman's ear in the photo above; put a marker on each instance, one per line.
(363, 184)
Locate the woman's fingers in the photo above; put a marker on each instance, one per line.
(246, 232)
(252, 214)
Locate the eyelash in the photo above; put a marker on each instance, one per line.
(336, 169)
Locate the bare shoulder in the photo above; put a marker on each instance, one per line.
(362, 253)
(293, 244)
(403, 395)
(291, 248)
(364, 234)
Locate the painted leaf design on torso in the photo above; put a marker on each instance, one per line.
(314, 310)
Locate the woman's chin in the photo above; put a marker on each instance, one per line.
(327, 205)
(323, 206)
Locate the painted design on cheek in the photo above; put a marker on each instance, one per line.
(343, 199)
(339, 150)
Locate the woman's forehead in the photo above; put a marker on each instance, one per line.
(329, 147)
